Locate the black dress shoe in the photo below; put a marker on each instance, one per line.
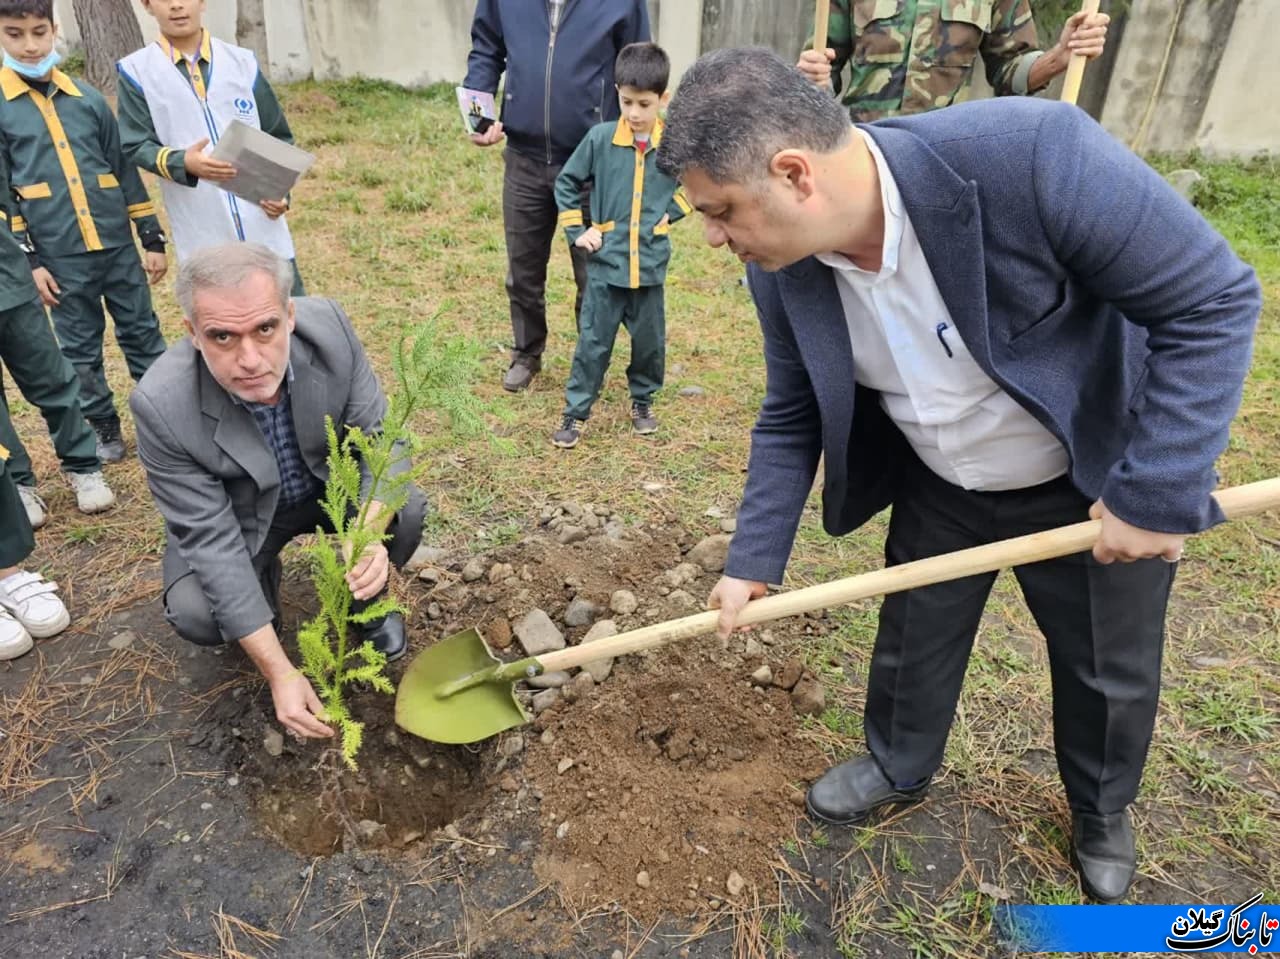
(1103, 850)
(386, 634)
(847, 793)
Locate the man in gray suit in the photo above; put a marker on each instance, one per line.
(231, 431)
(999, 320)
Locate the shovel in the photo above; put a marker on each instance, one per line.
(457, 691)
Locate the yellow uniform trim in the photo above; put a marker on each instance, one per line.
(605, 227)
(683, 203)
(162, 162)
(18, 225)
(4, 454)
(67, 160)
(139, 210)
(34, 191)
(633, 238)
(193, 64)
(661, 229)
(107, 181)
(570, 218)
(13, 86)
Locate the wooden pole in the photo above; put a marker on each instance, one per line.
(1075, 69)
(821, 11)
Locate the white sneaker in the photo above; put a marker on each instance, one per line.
(33, 601)
(93, 495)
(14, 638)
(37, 511)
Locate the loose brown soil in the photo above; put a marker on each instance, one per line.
(681, 771)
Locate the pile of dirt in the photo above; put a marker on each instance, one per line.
(671, 789)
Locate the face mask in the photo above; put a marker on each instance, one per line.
(34, 71)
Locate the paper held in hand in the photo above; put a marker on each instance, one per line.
(266, 168)
(477, 109)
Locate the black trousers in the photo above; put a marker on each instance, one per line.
(187, 608)
(529, 216)
(1104, 626)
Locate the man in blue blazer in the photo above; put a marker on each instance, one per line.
(998, 320)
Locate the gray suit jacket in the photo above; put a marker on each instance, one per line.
(210, 470)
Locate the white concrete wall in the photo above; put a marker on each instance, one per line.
(289, 51)
(1241, 117)
(411, 42)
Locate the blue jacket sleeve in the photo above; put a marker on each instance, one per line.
(786, 443)
(1170, 272)
(638, 25)
(488, 57)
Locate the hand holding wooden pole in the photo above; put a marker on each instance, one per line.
(1075, 67)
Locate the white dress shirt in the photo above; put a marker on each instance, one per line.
(960, 423)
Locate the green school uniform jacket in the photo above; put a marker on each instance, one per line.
(138, 131)
(64, 182)
(629, 199)
(16, 285)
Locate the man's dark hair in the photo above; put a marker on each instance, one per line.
(644, 66)
(736, 108)
(17, 9)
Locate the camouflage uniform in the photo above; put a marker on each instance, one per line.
(911, 56)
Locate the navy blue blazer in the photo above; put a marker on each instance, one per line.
(1083, 285)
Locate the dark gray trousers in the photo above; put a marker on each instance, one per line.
(1104, 626)
(529, 216)
(187, 608)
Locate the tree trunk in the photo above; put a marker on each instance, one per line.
(109, 31)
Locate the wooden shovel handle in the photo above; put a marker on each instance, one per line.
(1075, 67)
(1235, 502)
(821, 12)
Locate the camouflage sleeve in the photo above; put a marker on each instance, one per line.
(1010, 47)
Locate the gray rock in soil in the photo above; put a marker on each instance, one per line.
(752, 648)
(681, 598)
(545, 700)
(500, 571)
(763, 676)
(581, 612)
(580, 688)
(572, 509)
(551, 680)
(571, 534)
(691, 391)
(711, 553)
(615, 530)
(473, 570)
(729, 525)
(273, 742)
(434, 611)
(735, 884)
(538, 634)
(808, 698)
(425, 556)
(122, 640)
(599, 669)
(623, 602)
(1186, 182)
(512, 746)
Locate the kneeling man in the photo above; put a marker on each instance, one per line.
(231, 431)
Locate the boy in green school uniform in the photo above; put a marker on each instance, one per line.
(73, 199)
(30, 352)
(176, 97)
(632, 207)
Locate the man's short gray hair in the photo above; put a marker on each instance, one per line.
(226, 267)
(736, 108)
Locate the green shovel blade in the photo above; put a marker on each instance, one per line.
(430, 704)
